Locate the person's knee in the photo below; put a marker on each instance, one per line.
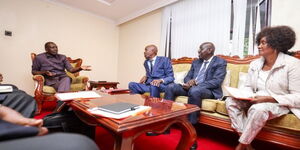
(170, 88)
(258, 110)
(131, 85)
(196, 92)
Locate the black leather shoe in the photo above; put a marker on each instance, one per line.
(168, 131)
(194, 146)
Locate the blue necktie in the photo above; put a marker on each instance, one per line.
(201, 74)
(151, 66)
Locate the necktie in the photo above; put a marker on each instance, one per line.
(201, 74)
(151, 65)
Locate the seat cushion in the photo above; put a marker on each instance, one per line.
(161, 94)
(49, 90)
(74, 88)
(288, 121)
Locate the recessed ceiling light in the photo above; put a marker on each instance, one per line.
(106, 2)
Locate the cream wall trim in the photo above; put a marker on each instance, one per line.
(80, 10)
(145, 10)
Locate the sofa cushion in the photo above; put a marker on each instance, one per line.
(179, 77)
(226, 82)
(221, 108)
(181, 67)
(235, 69)
(242, 79)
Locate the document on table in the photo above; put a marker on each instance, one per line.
(239, 93)
(136, 111)
(76, 95)
(6, 89)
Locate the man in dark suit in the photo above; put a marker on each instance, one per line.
(159, 73)
(203, 80)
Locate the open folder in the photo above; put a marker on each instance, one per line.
(239, 93)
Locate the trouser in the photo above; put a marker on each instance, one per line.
(59, 141)
(248, 119)
(195, 95)
(138, 88)
(60, 84)
(20, 102)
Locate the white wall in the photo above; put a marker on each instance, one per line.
(134, 36)
(77, 34)
(286, 12)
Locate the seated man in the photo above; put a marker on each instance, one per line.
(18, 132)
(52, 66)
(203, 80)
(18, 100)
(159, 73)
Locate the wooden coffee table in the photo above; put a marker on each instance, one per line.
(163, 114)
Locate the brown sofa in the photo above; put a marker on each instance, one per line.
(284, 130)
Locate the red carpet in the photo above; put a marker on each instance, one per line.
(209, 138)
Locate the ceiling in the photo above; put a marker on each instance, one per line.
(119, 11)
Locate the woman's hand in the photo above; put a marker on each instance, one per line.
(263, 99)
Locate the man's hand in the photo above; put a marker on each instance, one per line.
(186, 86)
(143, 80)
(15, 117)
(263, 99)
(50, 74)
(156, 82)
(86, 68)
(191, 82)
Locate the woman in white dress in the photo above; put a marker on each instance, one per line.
(274, 79)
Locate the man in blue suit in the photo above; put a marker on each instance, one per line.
(203, 80)
(159, 73)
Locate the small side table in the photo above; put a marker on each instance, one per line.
(100, 84)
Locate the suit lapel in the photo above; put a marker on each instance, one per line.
(156, 63)
(210, 65)
(146, 67)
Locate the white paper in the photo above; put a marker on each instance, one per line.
(238, 93)
(140, 109)
(6, 89)
(74, 95)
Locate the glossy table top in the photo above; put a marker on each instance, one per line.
(160, 110)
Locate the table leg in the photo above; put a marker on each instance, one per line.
(188, 134)
(123, 142)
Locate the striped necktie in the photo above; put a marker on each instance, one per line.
(201, 74)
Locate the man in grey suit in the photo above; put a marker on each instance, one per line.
(203, 80)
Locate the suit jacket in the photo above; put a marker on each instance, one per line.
(283, 82)
(214, 75)
(162, 69)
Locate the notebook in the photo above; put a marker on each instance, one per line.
(118, 108)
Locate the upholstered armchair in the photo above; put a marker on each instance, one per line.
(44, 93)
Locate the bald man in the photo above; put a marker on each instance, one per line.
(159, 74)
(203, 80)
